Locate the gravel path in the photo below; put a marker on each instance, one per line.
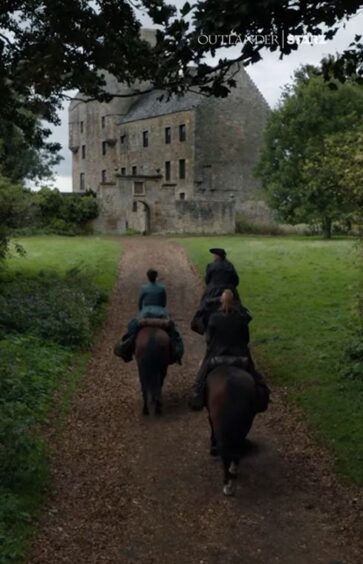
(133, 489)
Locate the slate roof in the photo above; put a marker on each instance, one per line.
(149, 105)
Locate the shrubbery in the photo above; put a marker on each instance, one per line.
(43, 320)
(59, 309)
(30, 370)
(46, 211)
(61, 213)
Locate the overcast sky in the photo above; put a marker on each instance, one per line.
(270, 75)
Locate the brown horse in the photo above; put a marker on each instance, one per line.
(152, 353)
(231, 403)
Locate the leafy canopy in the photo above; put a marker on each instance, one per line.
(311, 159)
(51, 47)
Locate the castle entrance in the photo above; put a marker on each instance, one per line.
(140, 217)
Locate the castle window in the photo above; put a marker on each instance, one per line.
(167, 170)
(134, 206)
(103, 176)
(104, 147)
(182, 169)
(82, 181)
(81, 126)
(83, 151)
(123, 171)
(182, 195)
(123, 139)
(145, 138)
(167, 135)
(182, 132)
(103, 122)
(134, 170)
(139, 189)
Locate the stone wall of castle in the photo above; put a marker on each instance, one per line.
(157, 211)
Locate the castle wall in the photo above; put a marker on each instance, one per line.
(228, 137)
(151, 160)
(158, 211)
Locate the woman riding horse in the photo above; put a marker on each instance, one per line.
(152, 304)
(228, 339)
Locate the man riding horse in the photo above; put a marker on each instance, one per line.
(228, 343)
(220, 275)
(152, 305)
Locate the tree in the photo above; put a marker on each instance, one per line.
(14, 206)
(22, 159)
(300, 166)
(334, 180)
(52, 46)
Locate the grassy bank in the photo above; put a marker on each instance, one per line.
(302, 294)
(51, 301)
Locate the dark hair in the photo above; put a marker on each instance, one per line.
(152, 274)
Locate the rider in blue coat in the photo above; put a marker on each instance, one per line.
(152, 304)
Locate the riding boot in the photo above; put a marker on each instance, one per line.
(263, 391)
(177, 346)
(197, 400)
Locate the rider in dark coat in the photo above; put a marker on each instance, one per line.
(228, 336)
(220, 275)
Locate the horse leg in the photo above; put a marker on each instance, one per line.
(145, 409)
(228, 482)
(213, 451)
(233, 469)
(158, 399)
(158, 406)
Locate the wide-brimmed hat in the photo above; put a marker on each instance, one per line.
(219, 252)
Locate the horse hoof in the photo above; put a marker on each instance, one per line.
(213, 451)
(228, 489)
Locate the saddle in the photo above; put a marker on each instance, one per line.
(226, 360)
(159, 323)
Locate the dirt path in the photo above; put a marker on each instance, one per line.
(129, 489)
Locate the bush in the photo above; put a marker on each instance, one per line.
(64, 213)
(15, 206)
(247, 227)
(30, 370)
(63, 310)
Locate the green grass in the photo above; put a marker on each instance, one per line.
(38, 358)
(95, 255)
(302, 293)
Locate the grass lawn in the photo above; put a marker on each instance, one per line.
(96, 256)
(47, 318)
(301, 293)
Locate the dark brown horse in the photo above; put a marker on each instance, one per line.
(231, 402)
(152, 353)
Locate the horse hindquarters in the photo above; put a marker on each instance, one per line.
(232, 396)
(152, 350)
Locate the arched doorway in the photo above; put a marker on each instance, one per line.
(140, 217)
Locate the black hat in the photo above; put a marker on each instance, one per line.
(219, 252)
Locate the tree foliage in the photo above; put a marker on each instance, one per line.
(50, 47)
(310, 162)
(47, 210)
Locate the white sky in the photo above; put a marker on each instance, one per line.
(270, 75)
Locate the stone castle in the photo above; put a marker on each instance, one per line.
(170, 164)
